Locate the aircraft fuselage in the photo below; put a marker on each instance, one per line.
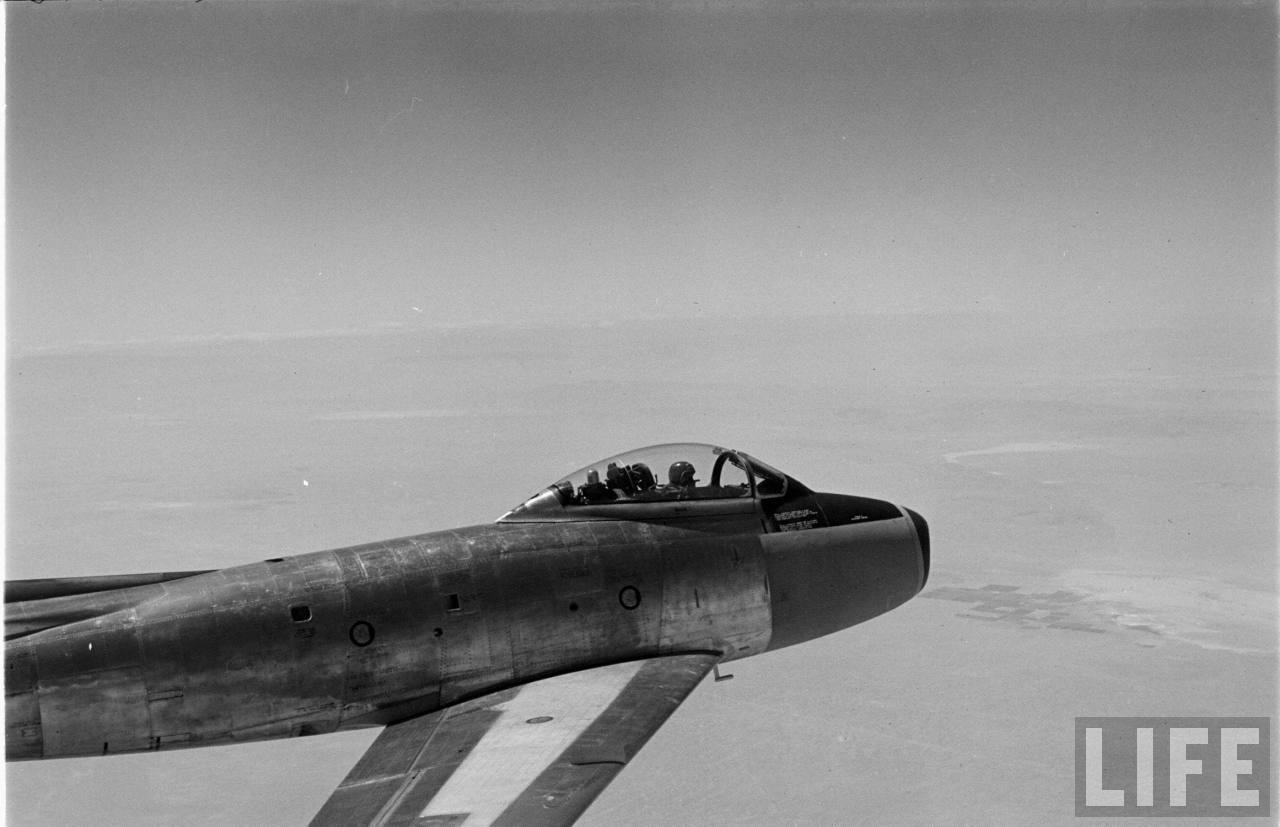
(372, 634)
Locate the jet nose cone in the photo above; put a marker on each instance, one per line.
(845, 509)
(922, 534)
(872, 556)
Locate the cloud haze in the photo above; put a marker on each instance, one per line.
(240, 167)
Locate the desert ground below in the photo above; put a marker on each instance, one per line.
(1102, 505)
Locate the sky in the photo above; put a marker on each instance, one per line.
(229, 168)
(288, 276)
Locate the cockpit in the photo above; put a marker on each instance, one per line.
(698, 477)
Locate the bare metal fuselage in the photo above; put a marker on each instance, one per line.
(367, 635)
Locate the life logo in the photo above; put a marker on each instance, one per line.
(1173, 767)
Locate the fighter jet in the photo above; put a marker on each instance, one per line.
(515, 667)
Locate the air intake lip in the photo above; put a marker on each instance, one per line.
(922, 531)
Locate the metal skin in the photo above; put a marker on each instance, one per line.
(373, 634)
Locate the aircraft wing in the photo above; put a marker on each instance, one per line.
(534, 754)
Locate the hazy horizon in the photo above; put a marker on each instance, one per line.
(230, 167)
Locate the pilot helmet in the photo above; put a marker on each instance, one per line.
(681, 473)
(642, 476)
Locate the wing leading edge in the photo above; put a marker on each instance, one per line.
(534, 754)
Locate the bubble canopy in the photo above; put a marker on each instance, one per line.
(673, 472)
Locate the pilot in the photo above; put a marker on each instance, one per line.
(642, 477)
(618, 479)
(595, 491)
(680, 477)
